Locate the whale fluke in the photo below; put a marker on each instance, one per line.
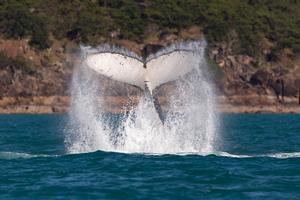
(146, 73)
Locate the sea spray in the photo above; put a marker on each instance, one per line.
(191, 119)
(85, 131)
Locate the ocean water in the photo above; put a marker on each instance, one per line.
(257, 157)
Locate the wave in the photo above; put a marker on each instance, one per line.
(284, 155)
(279, 155)
(6, 155)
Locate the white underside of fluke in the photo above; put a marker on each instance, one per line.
(151, 74)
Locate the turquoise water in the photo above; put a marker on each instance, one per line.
(258, 157)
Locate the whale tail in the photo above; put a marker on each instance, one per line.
(145, 73)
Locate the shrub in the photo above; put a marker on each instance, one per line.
(17, 22)
(17, 63)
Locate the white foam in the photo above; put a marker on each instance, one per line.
(279, 155)
(7, 155)
(283, 155)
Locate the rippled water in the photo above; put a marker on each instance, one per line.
(258, 157)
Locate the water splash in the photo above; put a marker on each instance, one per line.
(191, 119)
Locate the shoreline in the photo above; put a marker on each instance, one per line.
(229, 109)
(116, 104)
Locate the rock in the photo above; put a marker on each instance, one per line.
(45, 63)
(290, 87)
(193, 32)
(166, 37)
(261, 77)
(115, 33)
(151, 49)
(5, 78)
(128, 44)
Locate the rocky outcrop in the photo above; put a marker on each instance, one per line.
(245, 83)
(35, 104)
(28, 72)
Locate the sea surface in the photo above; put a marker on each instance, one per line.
(258, 157)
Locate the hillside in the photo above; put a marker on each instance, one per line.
(253, 51)
(95, 21)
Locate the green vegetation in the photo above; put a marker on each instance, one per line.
(16, 63)
(17, 21)
(92, 21)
